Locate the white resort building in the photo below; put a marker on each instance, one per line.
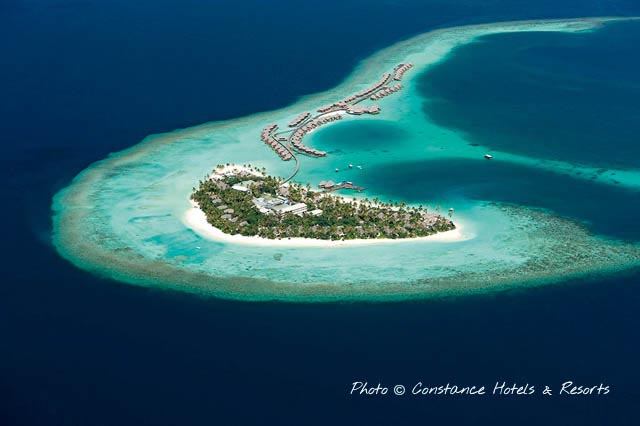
(297, 208)
(269, 204)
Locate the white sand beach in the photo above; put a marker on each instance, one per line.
(220, 172)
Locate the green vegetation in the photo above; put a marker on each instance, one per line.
(234, 212)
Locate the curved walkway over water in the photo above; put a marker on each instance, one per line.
(296, 159)
(337, 107)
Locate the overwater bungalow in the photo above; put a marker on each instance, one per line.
(400, 70)
(299, 119)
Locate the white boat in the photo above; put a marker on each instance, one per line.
(488, 156)
(351, 166)
(360, 167)
(337, 170)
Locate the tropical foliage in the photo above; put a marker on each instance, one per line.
(234, 212)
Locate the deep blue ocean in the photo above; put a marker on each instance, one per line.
(80, 79)
(571, 97)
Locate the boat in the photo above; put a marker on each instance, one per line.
(488, 156)
(351, 166)
(337, 170)
(360, 167)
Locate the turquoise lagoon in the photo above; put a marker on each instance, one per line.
(529, 216)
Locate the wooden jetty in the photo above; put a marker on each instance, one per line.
(331, 186)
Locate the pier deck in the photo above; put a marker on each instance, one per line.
(341, 185)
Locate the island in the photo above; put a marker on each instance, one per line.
(242, 200)
(140, 216)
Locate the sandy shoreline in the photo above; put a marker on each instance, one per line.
(195, 219)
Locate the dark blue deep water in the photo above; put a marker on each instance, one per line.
(572, 97)
(605, 209)
(80, 79)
